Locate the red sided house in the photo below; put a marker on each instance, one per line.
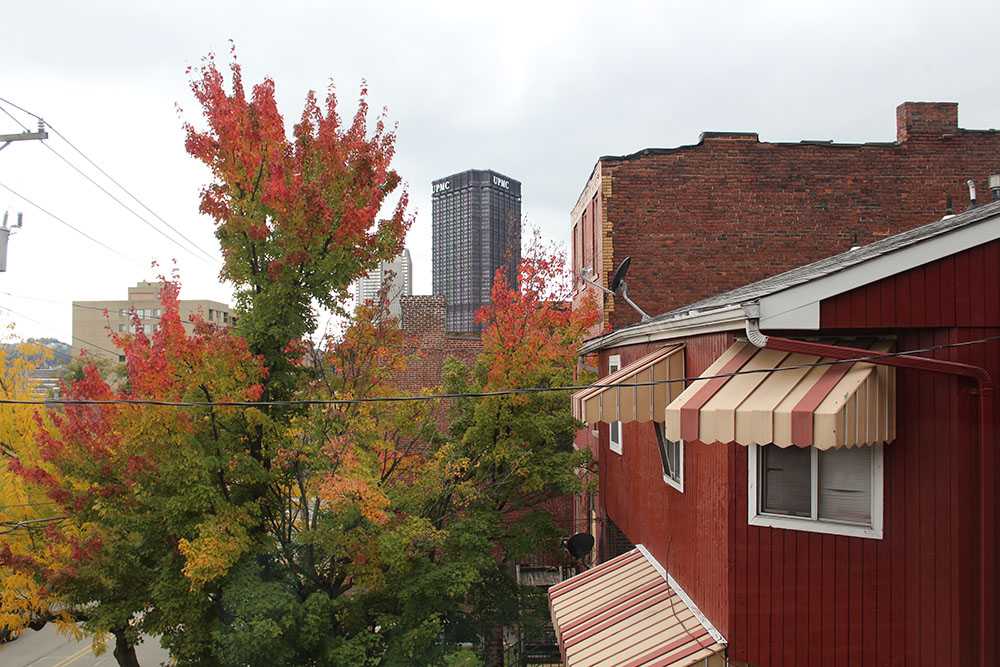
(807, 466)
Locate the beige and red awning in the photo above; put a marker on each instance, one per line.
(787, 399)
(637, 392)
(627, 612)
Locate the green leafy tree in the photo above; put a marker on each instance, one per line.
(337, 532)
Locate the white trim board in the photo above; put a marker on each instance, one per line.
(716, 635)
(724, 319)
(798, 307)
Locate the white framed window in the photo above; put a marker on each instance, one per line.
(837, 491)
(671, 458)
(615, 428)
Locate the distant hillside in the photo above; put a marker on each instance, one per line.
(61, 352)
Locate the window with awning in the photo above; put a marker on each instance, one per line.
(639, 391)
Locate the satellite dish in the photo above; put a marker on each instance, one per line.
(579, 545)
(619, 275)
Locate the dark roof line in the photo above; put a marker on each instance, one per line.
(651, 151)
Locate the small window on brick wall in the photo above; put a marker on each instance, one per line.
(595, 228)
(577, 260)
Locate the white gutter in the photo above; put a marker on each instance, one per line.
(691, 323)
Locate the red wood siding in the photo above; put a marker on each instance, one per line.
(687, 532)
(790, 598)
(946, 293)
(908, 599)
(912, 597)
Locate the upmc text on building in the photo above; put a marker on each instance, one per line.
(476, 229)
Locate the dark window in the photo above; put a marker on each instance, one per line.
(785, 474)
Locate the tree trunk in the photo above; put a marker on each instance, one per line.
(493, 646)
(124, 650)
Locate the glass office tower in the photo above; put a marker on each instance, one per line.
(476, 218)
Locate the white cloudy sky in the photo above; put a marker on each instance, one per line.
(537, 90)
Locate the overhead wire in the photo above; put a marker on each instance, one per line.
(204, 256)
(76, 338)
(67, 224)
(55, 402)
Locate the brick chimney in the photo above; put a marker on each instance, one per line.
(929, 119)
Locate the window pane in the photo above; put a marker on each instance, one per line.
(616, 432)
(674, 456)
(670, 454)
(785, 476)
(845, 485)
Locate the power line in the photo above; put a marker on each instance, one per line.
(75, 168)
(62, 221)
(77, 338)
(117, 353)
(480, 394)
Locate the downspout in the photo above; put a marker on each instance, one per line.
(987, 546)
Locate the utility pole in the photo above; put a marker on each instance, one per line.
(5, 234)
(8, 139)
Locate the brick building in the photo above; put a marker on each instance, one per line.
(701, 219)
(423, 321)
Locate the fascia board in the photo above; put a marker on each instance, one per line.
(725, 319)
(798, 307)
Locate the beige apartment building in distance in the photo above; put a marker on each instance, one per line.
(91, 326)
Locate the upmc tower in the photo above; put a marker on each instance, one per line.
(477, 228)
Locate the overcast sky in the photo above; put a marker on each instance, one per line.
(537, 91)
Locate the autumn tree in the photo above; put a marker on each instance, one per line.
(144, 495)
(186, 520)
(24, 509)
(516, 450)
(252, 499)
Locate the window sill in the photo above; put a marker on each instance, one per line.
(678, 486)
(810, 526)
(617, 449)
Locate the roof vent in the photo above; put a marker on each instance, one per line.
(972, 193)
(995, 186)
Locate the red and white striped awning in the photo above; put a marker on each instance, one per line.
(787, 399)
(628, 612)
(638, 392)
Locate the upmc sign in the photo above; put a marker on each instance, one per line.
(502, 182)
(442, 187)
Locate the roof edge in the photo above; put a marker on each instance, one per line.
(682, 594)
(689, 323)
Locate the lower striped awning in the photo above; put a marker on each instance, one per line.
(628, 612)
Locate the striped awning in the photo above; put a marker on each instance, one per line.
(628, 612)
(638, 392)
(787, 399)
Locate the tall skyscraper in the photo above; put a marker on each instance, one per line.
(476, 229)
(399, 274)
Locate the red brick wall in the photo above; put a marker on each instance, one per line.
(699, 220)
(423, 322)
